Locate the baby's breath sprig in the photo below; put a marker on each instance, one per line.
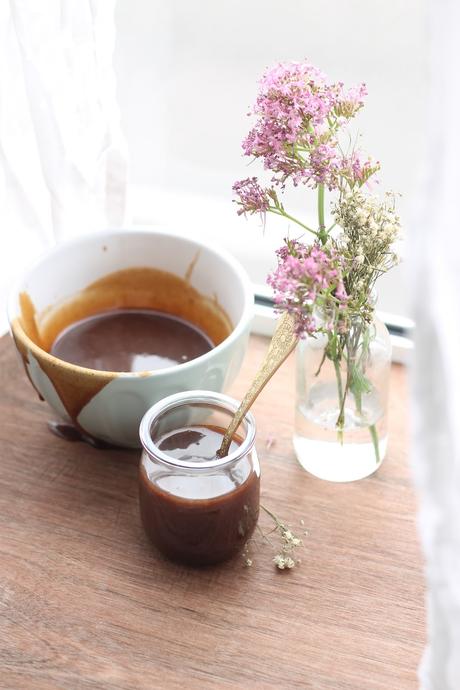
(285, 558)
(369, 229)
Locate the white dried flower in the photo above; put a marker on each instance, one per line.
(291, 540)
(279, 561)
(366, 247)
(282, 561)
(390, 230)
(373, 226)
(361, 215)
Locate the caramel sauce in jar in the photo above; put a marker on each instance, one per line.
(196, 508)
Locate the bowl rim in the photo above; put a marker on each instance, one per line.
(238, 330)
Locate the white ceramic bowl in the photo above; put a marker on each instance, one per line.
(110, 405)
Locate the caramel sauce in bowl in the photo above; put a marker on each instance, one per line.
(149, 273)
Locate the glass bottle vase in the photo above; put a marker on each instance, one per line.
(341, 403)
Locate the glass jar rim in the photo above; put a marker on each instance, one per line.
(202, 397)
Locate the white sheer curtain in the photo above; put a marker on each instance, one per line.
(62, 155)
(435, 246)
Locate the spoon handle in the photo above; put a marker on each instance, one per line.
(281, 345)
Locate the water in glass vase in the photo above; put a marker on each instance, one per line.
(355, 448)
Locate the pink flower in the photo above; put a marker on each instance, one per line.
(324, 165)
(298, 117)
(349, 102)
(252, 198)
(307, 278)
(356, 170)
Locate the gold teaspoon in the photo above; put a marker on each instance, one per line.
(281, 345)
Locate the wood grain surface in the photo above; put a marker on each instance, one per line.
(86, 602)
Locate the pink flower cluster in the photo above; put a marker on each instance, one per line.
(307, 278)
(299, 115)
(252, 197)
(356, 170)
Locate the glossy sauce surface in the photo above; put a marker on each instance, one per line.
(198, 517)
(130, 340)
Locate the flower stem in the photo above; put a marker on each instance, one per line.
(283, 213)
(276, 520)
(323, 359)
(375, 442)
(341, 418)
(338, 376)
(339, 380)
(322, 234)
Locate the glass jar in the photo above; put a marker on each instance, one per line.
(342, 400)
(195, 507)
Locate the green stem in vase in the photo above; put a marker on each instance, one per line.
(359, 383)
(372, 427)
(323, 359)
(351, 344)
(338, 376)
(340, 419)
(356, 367)
(375, 442)
(359, 403)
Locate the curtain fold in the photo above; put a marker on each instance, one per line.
(63, 162)
(435, 252)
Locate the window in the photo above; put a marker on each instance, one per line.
(187, 75)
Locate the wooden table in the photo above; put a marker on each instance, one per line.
(87, 603)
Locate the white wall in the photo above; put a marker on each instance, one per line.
(187, 73)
